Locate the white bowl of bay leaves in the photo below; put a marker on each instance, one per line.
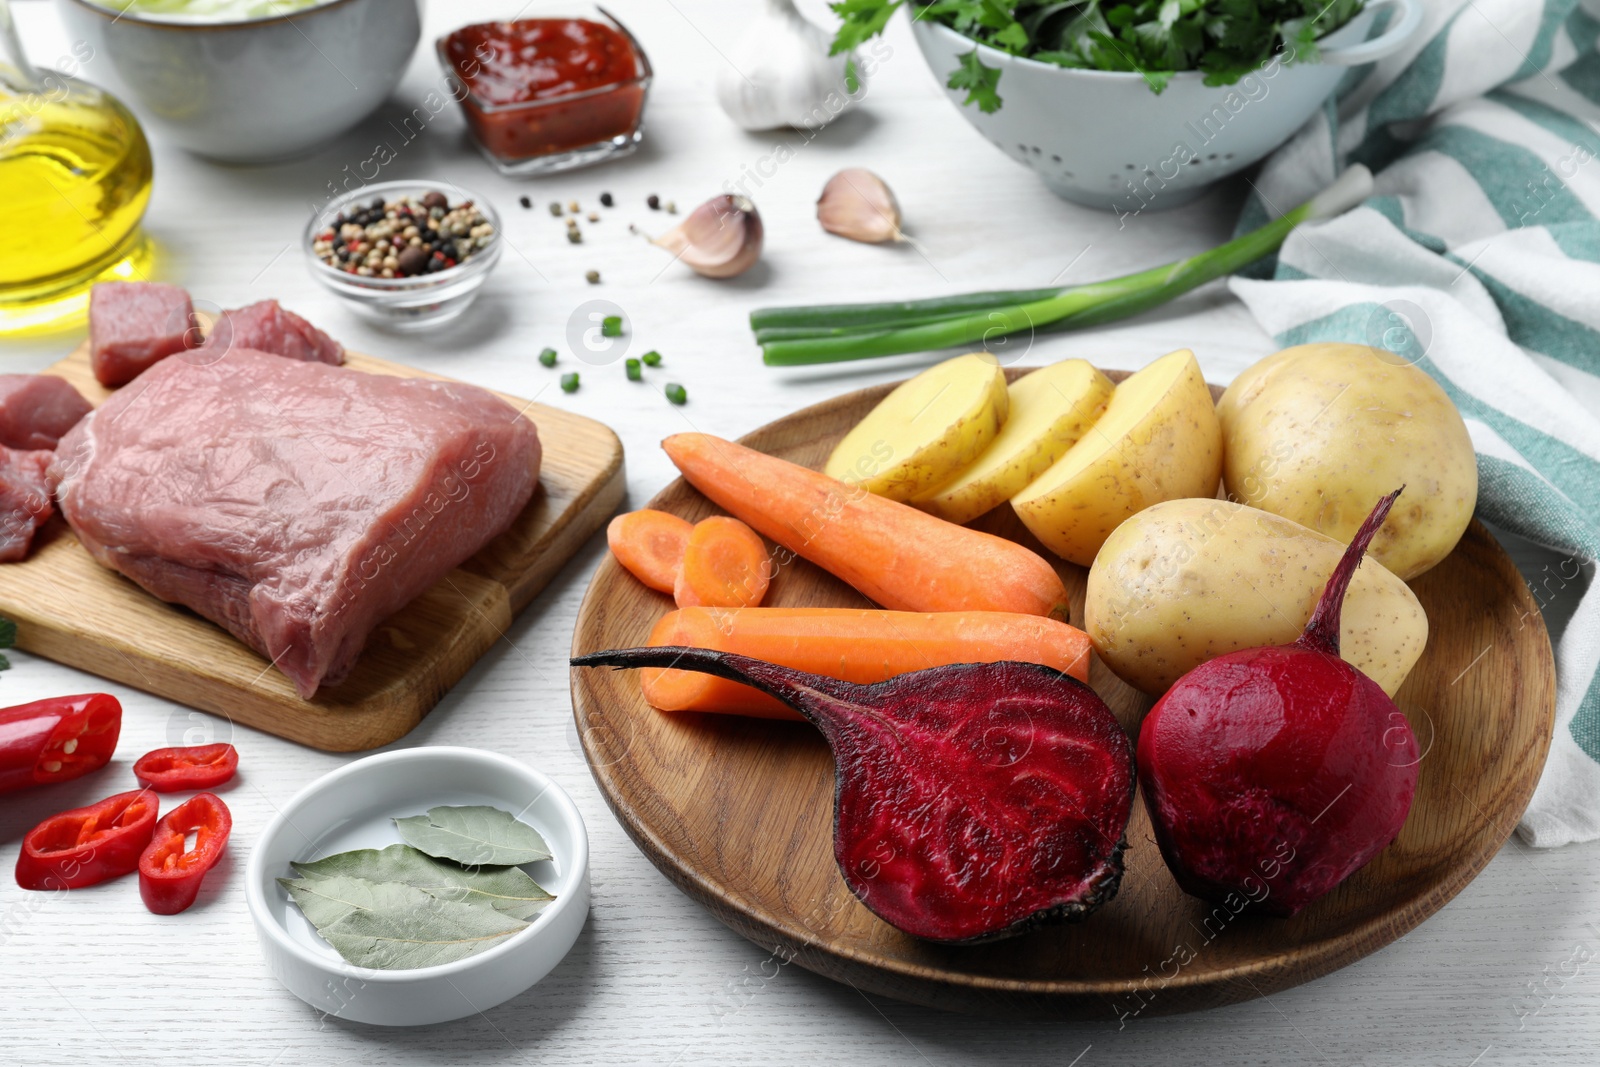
(420, 886)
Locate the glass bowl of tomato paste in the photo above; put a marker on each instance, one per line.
(548, 94)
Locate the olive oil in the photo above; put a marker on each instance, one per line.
(75, 177)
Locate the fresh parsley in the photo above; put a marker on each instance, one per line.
(1225, 39)
(980, 82)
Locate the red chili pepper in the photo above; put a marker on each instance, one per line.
(169, 874)
(173, 770)
(88, 845)
(57, 739)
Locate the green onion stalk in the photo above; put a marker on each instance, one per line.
(831, 333)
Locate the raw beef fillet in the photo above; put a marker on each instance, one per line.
(296, 504)
(36, 409)
(269, 327)
(133, 325)
(24, 499)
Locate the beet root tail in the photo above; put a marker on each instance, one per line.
(1322, 631)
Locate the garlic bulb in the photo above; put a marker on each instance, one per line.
(719, 239)
(858, 204)
(782, 75)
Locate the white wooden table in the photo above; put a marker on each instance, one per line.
(1504, 974)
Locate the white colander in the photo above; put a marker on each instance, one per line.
(1103, 139)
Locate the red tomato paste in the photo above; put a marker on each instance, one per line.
(537, 85)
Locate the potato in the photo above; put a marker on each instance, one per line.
(1317, 433)
(925, 431)
(1158, 440)
(1189, 580)
(1050, 410)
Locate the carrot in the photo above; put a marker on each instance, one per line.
(900, 557)
(725, 565)
(650, 544)
(856, 644)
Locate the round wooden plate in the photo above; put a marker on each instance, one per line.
(739, 812)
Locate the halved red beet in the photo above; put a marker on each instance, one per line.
(972, 801)
(1273, 774)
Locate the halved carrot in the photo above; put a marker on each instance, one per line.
(650, 544)
(725, 565)
(896, 555)
(856, 644)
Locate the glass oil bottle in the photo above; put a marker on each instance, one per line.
(75, 176)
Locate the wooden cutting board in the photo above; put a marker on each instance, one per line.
(739, 812)
(72, 610)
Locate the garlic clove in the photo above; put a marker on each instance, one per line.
(719, 239)
(858, 204)
(780, 73)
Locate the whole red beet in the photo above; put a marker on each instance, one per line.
(1273, 774)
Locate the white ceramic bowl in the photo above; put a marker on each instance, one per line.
(1103, 139)
(253, 91)
(353, 807)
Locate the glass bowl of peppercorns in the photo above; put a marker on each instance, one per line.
(408, 255)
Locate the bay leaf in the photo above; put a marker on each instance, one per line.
(392, 926)
(505, 889)
(326, 901)
(473, 835)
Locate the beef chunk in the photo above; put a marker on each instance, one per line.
(296, 504)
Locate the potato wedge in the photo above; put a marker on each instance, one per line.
(1050, 410)
(924, 432)
(1189, 580)
(1318, 433)
(1158, 440)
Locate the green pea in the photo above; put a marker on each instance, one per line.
(548, 357)
(569, 383)
(677, 393)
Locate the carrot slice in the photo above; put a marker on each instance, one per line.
(725, 565)
(650, 544)
(856, 644)
(897, 556)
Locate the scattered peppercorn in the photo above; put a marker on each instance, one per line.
(606, 200)
(555, 209)
(548, 357)
(651, 358)
(611, 326)
(572, 208)
(675, 393)
(593, 217)
(592, 277)
(403, 237)
(569, 383)
(672, 207)
(524, 201)
(653, 202)
(635, 371)
(575, 237)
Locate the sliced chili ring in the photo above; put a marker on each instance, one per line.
(173, 770)
(57, 739)
(87, 845)
(170, 873)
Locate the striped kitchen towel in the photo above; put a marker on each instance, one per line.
(1478, 257)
